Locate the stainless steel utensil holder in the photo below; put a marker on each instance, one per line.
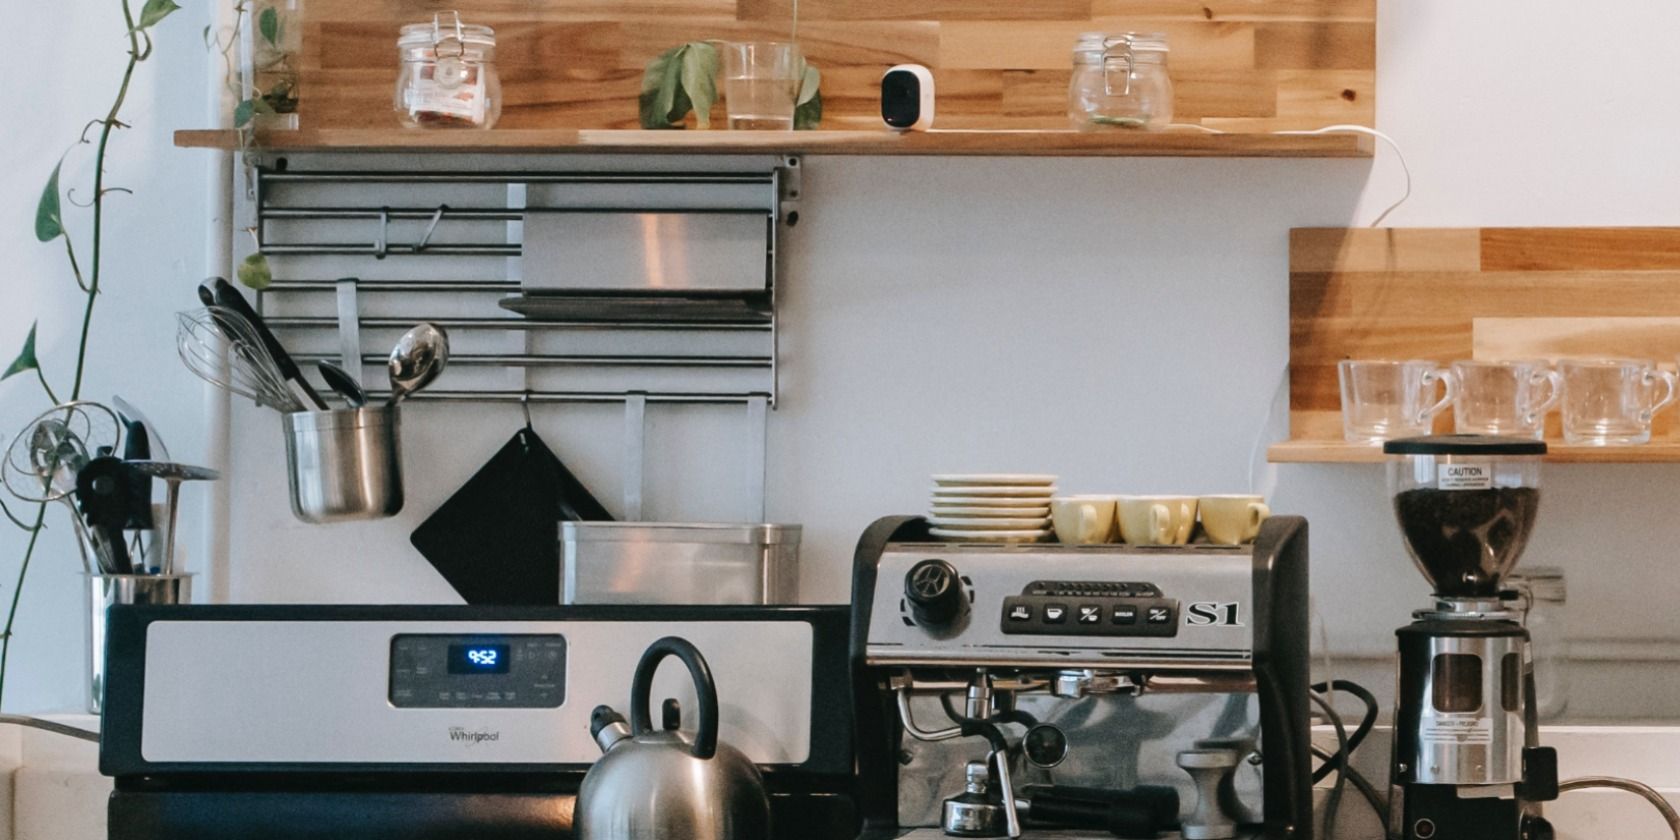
(106, 590)
(345, 465)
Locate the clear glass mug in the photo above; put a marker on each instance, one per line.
(1382, 400)
(1505, 398)
(1611, 402)
(761, 82)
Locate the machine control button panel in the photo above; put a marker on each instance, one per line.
(478, 671)
(1108, 615)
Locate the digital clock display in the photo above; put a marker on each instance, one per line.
(478, 659)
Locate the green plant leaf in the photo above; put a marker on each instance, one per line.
(49, 219)
(809, 80)
(26, 359)
(154, 11)
(242, 113)
(659, 88)
(699, 80)
(807, 114)
(268, 23)
(255, 273)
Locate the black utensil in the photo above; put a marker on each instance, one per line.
(137, 446)
(497, 540)
(342, 383)
(104, 494)
(224, 294)
(1144, 811)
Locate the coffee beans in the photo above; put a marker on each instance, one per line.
(1467, 540)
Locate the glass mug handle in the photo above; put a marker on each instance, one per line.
(1554, 392)
(1445, 377)
(1668, 380)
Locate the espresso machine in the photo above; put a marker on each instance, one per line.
(1467, 764)
(1054, 691)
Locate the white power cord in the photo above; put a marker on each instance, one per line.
(1639, 788)
(1341, 129)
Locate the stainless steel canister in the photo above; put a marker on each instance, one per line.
(345, 465)
(106, 590)
(679, 563)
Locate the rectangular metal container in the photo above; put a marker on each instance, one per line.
(678, 563)
(618, 251)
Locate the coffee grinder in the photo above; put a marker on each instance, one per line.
(1467, 763)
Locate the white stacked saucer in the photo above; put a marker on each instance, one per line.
(991, 507)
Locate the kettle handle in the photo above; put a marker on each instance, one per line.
(641, 723)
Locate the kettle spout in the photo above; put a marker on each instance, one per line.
(607, 727)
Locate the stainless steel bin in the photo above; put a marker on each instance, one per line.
(678, 563)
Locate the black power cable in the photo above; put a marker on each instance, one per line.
(1363, 729)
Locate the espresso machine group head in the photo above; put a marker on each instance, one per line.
(1081, 691)
(1467, 762)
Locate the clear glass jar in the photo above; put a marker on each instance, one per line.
(1538, 594)
(448, 75)
(1120, 81)
(1466, 505)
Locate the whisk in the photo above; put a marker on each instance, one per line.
(220, 347)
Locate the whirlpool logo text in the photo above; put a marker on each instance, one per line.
(470, 737)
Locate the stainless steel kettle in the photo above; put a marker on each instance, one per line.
(664, 785)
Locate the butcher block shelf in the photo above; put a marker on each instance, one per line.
(1475, 293)
(1340, 452)
(1185, 143)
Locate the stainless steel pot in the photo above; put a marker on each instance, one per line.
(663, 785)
(345, 465)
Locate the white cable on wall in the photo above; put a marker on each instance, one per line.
(1346, 128)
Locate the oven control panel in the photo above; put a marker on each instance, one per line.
(460, 671)
(1089, 608)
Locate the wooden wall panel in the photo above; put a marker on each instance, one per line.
(1247, 65)
(1446, 294)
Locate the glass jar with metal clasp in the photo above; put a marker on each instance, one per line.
(1120, 81)
(448, 75)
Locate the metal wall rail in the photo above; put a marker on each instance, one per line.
(392, 286)
(599, 397)
(573, 360)
(330, 323)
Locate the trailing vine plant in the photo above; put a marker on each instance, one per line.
(51, 226)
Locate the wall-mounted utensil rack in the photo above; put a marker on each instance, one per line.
(410, 244)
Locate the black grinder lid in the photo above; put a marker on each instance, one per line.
(1464, 445)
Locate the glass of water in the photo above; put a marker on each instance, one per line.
(1383, 400)
(1609, 402)
(761, 83)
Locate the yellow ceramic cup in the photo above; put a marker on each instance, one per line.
(1083, 520)
(1156, 520)
(1233, 520)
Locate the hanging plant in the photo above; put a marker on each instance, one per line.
(51, 226)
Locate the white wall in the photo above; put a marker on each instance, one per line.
(1119, 322)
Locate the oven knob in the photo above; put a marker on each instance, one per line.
(934, 592)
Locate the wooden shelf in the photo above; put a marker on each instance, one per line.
(1185, 143)
(1341, 452)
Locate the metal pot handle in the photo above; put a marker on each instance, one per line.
(641, 723)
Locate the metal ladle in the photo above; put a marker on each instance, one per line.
(420, 355)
